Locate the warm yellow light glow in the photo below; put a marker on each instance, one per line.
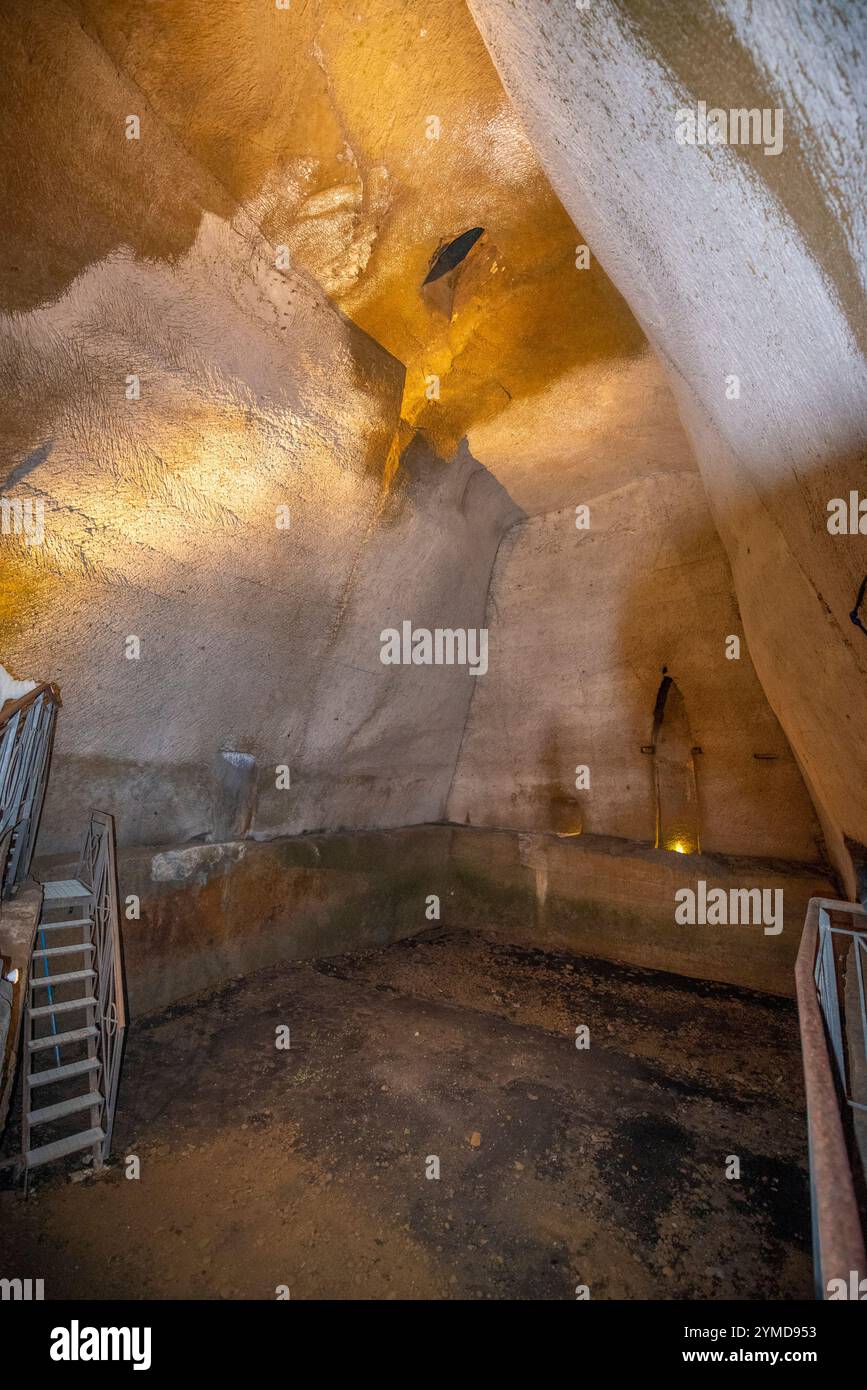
(679, 847)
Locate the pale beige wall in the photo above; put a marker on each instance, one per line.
(583, 622)
(736, 262)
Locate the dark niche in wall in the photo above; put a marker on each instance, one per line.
(676, 793)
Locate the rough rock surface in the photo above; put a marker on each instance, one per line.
(736, 262)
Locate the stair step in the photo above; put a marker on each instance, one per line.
(62, 926)
(61, 1039)
(36, 980)
(64, 1107)
(63, 1073)
(86, 1001)
(51, 951)
(46, 1153)
(56, 890)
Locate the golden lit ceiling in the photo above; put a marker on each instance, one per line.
(316, 120)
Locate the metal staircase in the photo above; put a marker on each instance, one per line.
(75, 1017)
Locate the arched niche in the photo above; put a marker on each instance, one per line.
(676, 793)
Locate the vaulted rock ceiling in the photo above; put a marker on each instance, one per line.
(315, 121)
(258, 257)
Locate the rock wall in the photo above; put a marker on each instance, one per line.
(225, 527)
(207, 914)
(738, 263)
(612, 899)
(584, 624)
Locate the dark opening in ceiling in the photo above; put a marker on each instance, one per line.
(450, 255)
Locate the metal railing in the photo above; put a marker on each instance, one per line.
(98, 870)
(82, 916)
(841, 963)
(26, 734)
(832, 1015)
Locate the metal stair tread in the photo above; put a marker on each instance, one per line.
(67, 978)
(71, 1106)
(51, 951)
(64, 888)
(50, 1075)
(86, 1001)
(61, 926)
(46, 1153)
(61, 1039)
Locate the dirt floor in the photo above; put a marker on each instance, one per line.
(306, 1168)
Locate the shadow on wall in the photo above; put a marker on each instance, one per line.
(563, 805)
(135, 211)
(235, 794)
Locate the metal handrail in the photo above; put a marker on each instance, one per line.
(12, 707)
(26, 733)
(97, 870)
(838, 1243)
